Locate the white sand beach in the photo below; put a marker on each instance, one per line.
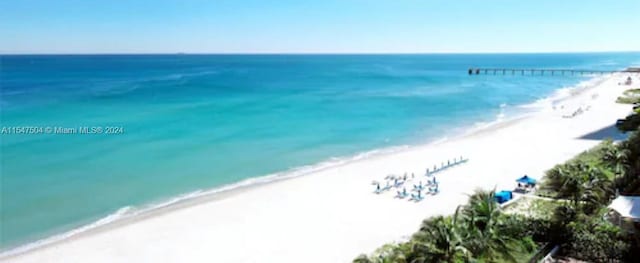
(333, 215)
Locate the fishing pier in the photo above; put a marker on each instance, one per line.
(548, 72)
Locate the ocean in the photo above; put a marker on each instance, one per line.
(91, 139)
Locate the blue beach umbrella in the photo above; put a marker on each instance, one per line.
(526, 180)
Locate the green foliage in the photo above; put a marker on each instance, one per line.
(619, 163)
(628, 181)
(522, 227)
(631, 96)
(589, 181)
(390, 253)
(362, 258)
(556, 184)
(629, 123)
(478, 231)
(481, 232)
(595, 240)
(628, 100)
(440, 239)
(487, 232)
(585, 184)
(562, 217)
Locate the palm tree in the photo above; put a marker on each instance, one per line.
(439, 238)
(598, 189)
(584, 184)
(556, 181)
(562, 216)
(362, 259)
(633, 145)
(390, 253)
(482, 209)
(485, 236)
(572, 179)
(617, 158)
(419, 252)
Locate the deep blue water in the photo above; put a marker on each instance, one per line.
(197, 122)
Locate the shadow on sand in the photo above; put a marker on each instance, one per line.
(609, 132)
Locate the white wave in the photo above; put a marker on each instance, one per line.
(502, 114)
(508, 113)
(563, 93)
(56, 238)
(130, 211)
(484, 125)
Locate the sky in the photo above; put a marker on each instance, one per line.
(319, 26)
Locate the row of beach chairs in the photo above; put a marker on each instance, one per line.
(430, 188)
(445, 166)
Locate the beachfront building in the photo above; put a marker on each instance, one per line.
(625, 212)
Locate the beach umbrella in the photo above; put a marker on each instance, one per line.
(526, 180)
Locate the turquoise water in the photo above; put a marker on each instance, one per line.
(198, 122)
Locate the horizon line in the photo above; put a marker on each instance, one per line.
(315, 53)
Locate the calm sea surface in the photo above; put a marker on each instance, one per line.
(187, 123)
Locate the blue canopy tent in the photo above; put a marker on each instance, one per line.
(526, 180)
(503, 196)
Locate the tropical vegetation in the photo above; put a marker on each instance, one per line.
(478, 231)
(574, 211)
(630, 97)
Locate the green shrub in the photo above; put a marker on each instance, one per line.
(596, 242)
(629, 97)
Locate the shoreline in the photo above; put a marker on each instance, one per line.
(217, 193)
(222, 196)
(220, 193)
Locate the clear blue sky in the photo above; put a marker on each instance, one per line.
(318, 26)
